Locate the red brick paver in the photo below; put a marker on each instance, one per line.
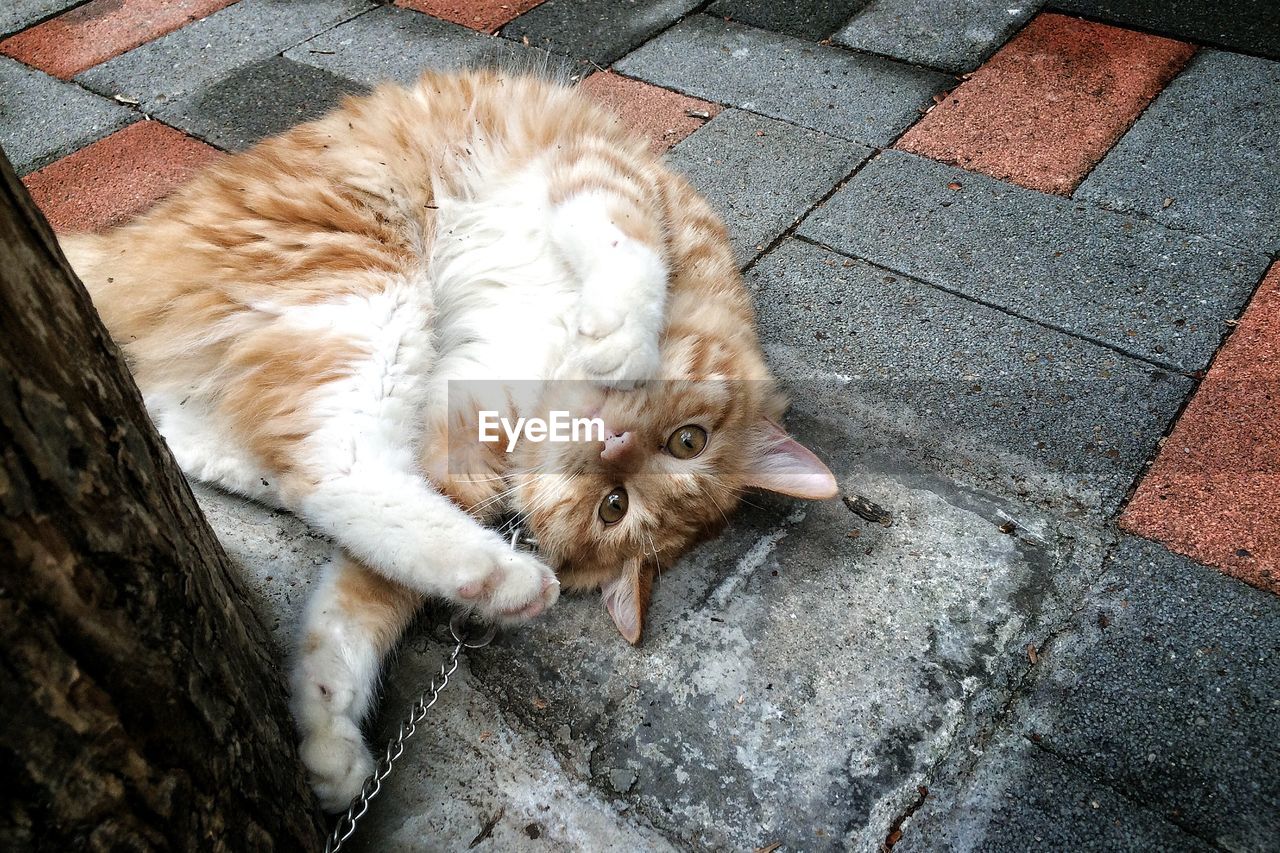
(665, 117)
(116, 177)
(81, 38)
(483, 15)
(1050, 103)
(1214, 490)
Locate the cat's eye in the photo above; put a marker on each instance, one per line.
(687, 442)
(614, 506)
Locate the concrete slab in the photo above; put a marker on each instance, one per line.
(186, 59)
(43, 118)
(100, 29)
(941, 34)
(256, 101)
(1247, 26)
(1203, 156)
(596, 30)
(762, 175)
(807, 19)
(852, 96)
(1023, 798)
(1129, 283)
(397, 44)
(794, 683)
(1167, 688)
(117, 177)
(279, 556)
(18, 14)
(1018, 408)
(1096, 78)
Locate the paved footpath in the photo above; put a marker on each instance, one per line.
(1016, 262)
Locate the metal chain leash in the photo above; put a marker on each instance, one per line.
(466, 635)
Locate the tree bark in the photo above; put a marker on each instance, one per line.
(141, 706)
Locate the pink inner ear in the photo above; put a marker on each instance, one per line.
(621, 599)
(786, 466)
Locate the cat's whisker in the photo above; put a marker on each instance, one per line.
(654, 553)
(522, 477)
(720, 509)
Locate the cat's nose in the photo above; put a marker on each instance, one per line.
(616, 446)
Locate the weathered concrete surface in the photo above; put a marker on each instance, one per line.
(17, 14)
(199, 53)
(795, 685)
(1022, 798)
(392, 44)
(280, 556)
(807, 19)
(1120, 280)
(1202, 157)
(43, 118)
(598, 31)
(1010, 406)
(762, 175)
(852, 96)
(256, 101)
(1163, 693)
(943, 34)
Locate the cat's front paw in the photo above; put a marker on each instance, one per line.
(616, 349)
(510, 586)
(337, 763)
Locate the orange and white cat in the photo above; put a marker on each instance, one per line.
(296, 315)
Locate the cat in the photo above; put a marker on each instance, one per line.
(298, 314)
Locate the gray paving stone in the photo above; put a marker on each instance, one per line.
(43, 118)
(1009, 405)
(256, 101)
(596, 30)
(1130, 283)
(19, 14)
(1207, 145)
(1022, 798)
(864, 98)
(809, 19)
(1249, 26)
(953, 36)
(1168, 689)
(186, 59)
(398, 44)
(762, 175)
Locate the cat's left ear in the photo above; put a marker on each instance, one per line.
(783, 465)
(627, 599)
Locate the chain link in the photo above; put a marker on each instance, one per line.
(464, 638)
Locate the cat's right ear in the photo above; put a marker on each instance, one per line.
(783, 465)
(626, 597)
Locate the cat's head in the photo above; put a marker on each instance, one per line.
(678, 455)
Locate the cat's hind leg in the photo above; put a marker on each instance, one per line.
(352, 621)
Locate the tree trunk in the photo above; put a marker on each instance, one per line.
(141, 705)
